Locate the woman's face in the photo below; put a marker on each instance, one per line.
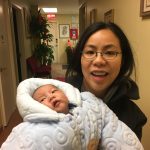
(99, 73)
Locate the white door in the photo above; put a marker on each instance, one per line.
(54, 43)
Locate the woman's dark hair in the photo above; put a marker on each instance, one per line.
(128, 63)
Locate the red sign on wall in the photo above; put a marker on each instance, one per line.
(51, 16)
(74, 34)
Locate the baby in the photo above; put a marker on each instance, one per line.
(56, 125)
(52, 97)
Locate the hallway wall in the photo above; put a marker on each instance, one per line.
(64, 19)
(8, 76)
(62, 42)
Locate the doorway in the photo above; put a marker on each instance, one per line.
(16, 40)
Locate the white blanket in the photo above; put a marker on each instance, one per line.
(90, 122)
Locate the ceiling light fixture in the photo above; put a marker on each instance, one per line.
(50, 10)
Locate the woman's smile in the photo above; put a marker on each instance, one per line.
(99, 75)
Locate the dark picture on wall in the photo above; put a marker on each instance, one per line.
(145, 8)
(109, 16)
(93, 15)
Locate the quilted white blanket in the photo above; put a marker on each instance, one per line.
(90, 126)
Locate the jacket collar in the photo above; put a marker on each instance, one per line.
(122, 88)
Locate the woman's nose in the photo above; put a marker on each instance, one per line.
(99, 59)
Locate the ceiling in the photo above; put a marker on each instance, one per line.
(63, 6)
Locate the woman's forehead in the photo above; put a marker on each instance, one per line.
(104, 38)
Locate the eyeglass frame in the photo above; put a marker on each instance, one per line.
(101, 53)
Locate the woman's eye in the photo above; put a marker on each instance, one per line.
(89, 52)
(111, 53)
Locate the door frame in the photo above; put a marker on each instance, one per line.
(18, 43)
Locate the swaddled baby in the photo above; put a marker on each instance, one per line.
(61, 118)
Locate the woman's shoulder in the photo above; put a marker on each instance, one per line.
(123, 88)
(127, 108)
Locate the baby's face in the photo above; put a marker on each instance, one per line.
(52, 97)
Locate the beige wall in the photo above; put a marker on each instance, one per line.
(72, 20)
(62, 42)
(127, 15)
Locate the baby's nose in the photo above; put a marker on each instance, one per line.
(50, 96)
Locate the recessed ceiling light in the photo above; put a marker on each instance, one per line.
(50, 10)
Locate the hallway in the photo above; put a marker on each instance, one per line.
(136, 27)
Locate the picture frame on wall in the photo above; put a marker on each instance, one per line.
(83, 17)
(64, 30)
(145, 8)
(109, 16)
(93, 16)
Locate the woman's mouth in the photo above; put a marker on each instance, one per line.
(99, 73)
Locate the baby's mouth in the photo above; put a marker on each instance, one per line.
(55, 103)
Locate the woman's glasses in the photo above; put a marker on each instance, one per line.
(108, 55)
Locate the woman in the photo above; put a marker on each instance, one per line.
(105, 64)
